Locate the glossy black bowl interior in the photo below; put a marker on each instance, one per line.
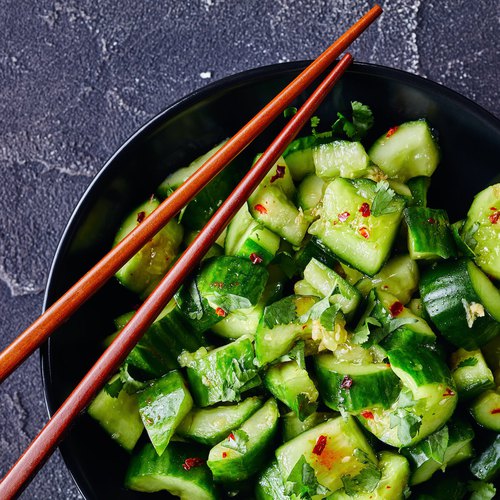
(470, 142)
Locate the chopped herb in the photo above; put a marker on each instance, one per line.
(407, 422)
(435, 445)
(195, 306)
(315, 311)
(366, 480)
(467, 362)
(289, 112)
(314, 124)
(282, 312)
(228, 301)
(114, 388)
(130, 384)
(296, 354)
(362, 333)
(302, 481)
(381, 204)
(362, 121)
(329, 317)
(237, 441)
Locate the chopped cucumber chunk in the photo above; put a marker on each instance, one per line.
(340, 159)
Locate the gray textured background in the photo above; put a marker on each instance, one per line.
(77, 77)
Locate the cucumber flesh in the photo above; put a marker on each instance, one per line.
(406, 151)
(326, 448)
(310, 193)
(352, 232)
(470, 373)
(241, 454)
(180, 470)
(209, 426)
(270, 485)
(118, 416)
(481, 230)
(147, 267)
(340, 159)
(486, 410)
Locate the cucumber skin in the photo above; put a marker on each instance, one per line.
(292, 426)
(367, 391)
(442, 288)
(234, 466)
(147, 471)
(487, 465)
(162, 406)
(194, 426)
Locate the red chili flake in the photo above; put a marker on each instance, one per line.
(363, 231)
(224, 454)
(141, 216)
(280, 172)
(343, 216)
(231, 437)
(391, 131)
(260, 208)
(396, 309)
(388, 365)
(346, 382)
(388, 487)
(431, 220)
(189, 463)
(494, 217)
(220, 312)
(493, 208)
(320, 445)
(365, 210)
(255, 258)
(495, 411)
(367, 414)
(218, 284)
(448, 393)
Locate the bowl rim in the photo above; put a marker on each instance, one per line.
(250, 76)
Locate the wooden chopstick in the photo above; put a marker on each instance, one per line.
(44, 444)
(40, 330)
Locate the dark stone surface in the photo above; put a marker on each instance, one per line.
(79, 76)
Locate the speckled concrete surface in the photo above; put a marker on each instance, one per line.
(77, 77)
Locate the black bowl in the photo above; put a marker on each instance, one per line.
(470, 142)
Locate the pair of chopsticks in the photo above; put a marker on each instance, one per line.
(50, 436)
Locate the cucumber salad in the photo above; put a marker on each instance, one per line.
(341, 340)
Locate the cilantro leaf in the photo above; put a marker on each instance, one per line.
(237, 441)
(315, 311)
(435, 445)
(381, 204)
(366, 480)
(296, 354)
(302, 481)
(314, 124)
(362, 121)
(228, 301)
(289, 112)
(362, 333)
(472, 361)
(329, 317)
(405, 419)
(194, 305)
(282, 312)
(395, 323)
(130, 384)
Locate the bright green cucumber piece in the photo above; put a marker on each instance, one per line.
(429, 234)
(470, 373)
(248, 239)
(147, 267)
(353, 387)
(223, 374)
(240, 322)
(223, 284)
(270, 485)
(445, 447)
(310, 193)
(487, 465)
(118, 416)
(406, 151)
(180, 470)
(340, 159)
(425, 403)
(332, 285)
(462, 302)
(348, 227)
(314, 248)
(209, 426)
(199, 210)
(419, 186)
(292, 426)
(162, 406)
(486, 409)
(281, 326)
(399, 277)
(334, 450)
(392, 485)
(481, 231)
(242, 453)
(291, 384)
